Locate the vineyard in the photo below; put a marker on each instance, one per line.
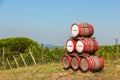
(109, 52)
(20, 49)
(13, 47)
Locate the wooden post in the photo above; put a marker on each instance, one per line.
(16, 61)
(23, 59)
(117, 50)
(32, 57)
(8, 63)
(3, 59)
(42, 54)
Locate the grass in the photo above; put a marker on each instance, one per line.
(54, 71)
(30, 73)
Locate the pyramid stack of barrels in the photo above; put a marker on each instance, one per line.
(81, 48)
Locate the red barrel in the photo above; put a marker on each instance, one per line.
(82, 30)
(85, 64)
(87, 45)
(101, 63)
(97, 62)
(75, 63)
(92, 63)
(66, 61)
(71, 45)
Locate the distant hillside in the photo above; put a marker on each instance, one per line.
(51, 46)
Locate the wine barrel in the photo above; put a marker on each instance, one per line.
(87, 45)
(101, 63)
(75, 63)
(92, 63)
(85, 64)
(97, 62)
(82, 30)
(66, 61)
(71, 45)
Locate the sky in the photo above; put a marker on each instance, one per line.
(49, 21)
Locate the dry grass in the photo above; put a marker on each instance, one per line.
(54, 71)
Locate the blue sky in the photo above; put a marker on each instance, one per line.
(49, 21)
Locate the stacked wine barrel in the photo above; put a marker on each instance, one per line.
(81, 48)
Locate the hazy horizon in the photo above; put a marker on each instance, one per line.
(49, 22)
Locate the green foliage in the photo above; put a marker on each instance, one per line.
(16, 45)
(109, 52)
(54, 55)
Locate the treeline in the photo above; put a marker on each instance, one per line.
(16, 45)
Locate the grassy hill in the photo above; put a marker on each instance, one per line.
(54, 71)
